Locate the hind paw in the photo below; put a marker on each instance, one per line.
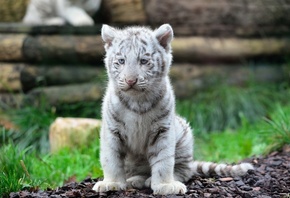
(137, 181)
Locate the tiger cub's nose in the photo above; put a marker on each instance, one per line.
(131, 82)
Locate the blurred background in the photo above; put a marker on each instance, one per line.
(230, 73)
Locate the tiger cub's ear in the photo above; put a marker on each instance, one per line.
(108, 34)
(164, 35)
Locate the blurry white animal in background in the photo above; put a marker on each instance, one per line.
(59, 12)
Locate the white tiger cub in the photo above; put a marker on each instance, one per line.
(143, 141)
(58, 12)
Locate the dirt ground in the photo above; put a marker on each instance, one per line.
(270, 179)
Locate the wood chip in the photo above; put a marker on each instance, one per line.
(226, 179)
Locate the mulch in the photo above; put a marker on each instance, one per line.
(270, 179)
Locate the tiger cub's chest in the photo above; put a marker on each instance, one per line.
(137, 130)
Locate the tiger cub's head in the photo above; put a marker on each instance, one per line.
(137, 58)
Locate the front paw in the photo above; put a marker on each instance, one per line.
(104, 186)
(174, 187)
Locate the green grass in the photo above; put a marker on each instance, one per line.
(262, 137)
(229, 146)
(13, 173)
(58, 167)
(276, 132)
(43, 171)
(33, 123)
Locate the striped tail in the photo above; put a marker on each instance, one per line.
(224, 170)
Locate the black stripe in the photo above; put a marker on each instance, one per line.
(163, 64)
(211, 170)
(161, 116)
(185, 132)
(121, 49)
(117, 134)
(116, 119)
(159, 64)
(144, 42)
(161, 160)
(199, 169)
(181, 166)
(158, 98)
(182, 170)
(223, 172)
(184, 159)
(114, 115)
(182, 174)
(160, 173)
(228, 170)
(121, 43)
(140, 109)
(150, 67)
(153, 154)
(123, 101)
(184, 135)
(159, 135)
(118, 148)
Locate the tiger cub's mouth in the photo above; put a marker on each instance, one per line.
(134, 89)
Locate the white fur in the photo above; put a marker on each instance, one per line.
(58, 12)
(206, 167)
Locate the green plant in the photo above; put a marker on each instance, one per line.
(13, 170)
(276, 131)
(33, 123)
(268, 134)
(219, 107)
(59, 167)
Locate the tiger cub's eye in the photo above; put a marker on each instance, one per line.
(121, 61)
(143, 61)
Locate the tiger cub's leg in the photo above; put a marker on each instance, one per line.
(161, 155)
(183, 151)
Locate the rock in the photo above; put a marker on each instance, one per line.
(276, 163)
(240, 183)
(72, 132)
